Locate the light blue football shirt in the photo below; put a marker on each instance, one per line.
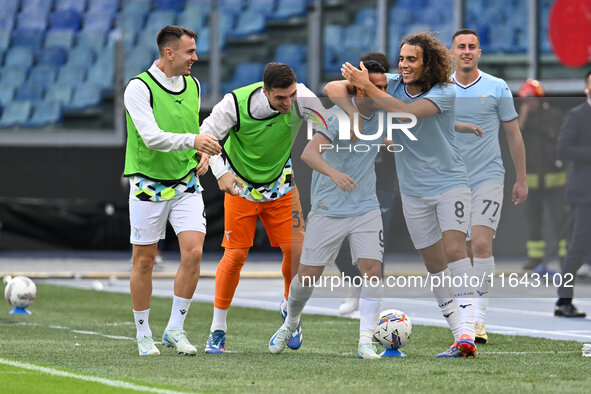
(485, 102)
(353, 158)
(432, 164)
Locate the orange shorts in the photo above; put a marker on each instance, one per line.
(283, 219)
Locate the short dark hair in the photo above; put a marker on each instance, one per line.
(278, 75)
(465, 31)
(376, 57)
(374, 67)
(587, 76)
(172, 33)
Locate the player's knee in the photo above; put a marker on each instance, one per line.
(455, 252)
(143, 264)
(481, 248)
(194, 254)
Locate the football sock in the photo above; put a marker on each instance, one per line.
(219, 319)
(464, 293)
(286, 249)
(483, 268)
(141, 323)
(178, 313)
(444, 294)
(298, 296)
(370, 303)
(284, 305)
(227, 276)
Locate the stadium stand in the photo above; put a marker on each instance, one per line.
(75, 38)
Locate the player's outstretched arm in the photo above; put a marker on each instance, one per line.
(312, 156)
(207, 144)
(517, 149)
(360, 79)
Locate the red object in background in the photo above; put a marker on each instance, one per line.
(570, 31)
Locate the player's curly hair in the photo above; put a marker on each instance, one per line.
(436, 58)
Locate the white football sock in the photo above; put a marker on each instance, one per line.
(219, 320)
(444, 294)
(298, 296)
(178, 313)
(370, 302)
(461, 271)
(141, 323)
(483, 268)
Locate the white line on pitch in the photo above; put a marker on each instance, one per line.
(78, 331)
(96, 379)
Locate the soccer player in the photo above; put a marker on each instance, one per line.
(256, 174)
(385, 192)
(485, 101)
(162, 111)
(344, 205)
(431, 174)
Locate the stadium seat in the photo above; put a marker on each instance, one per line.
(290, 54)
(13, 76)
(68, 19)
(233, 6)
(244, 74)
(21, 57)
(59, 38)
(38, 6)
(98, 20)
(103, 75)
(28, 37)
(264, 7)
(289, 8)
(7, 20)
(29, 92)
(15, 113)
(203, 41)
(91, 39)
(249, 23)
(43, 75)
(159, 19)
(55, 56)
(109, 6)
(10, 6)
(6, 94)
(193, 18)
(78, 5)
(136, 7)
(45, 113)
(71, 75)
(86, 96)
(81, 55)
(59, 94)
(366, 17)
(172, 5)
(4, 40)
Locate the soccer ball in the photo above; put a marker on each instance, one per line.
(393, 330)
(20, 292)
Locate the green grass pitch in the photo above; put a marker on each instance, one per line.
(51, 337)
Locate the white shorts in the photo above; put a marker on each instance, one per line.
(324, 236)
(487, 202)
(148, 218)
(428, 217)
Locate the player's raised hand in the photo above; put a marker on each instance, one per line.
(203, 165)
(519, 194)
(468, 128)
(357, 78)
(229, 182)
(343, 181)
(207, 144)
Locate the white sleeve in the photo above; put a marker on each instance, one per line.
(199, 89)
(222, 118)
(137, 104)
(218, 166)
(309, 99)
